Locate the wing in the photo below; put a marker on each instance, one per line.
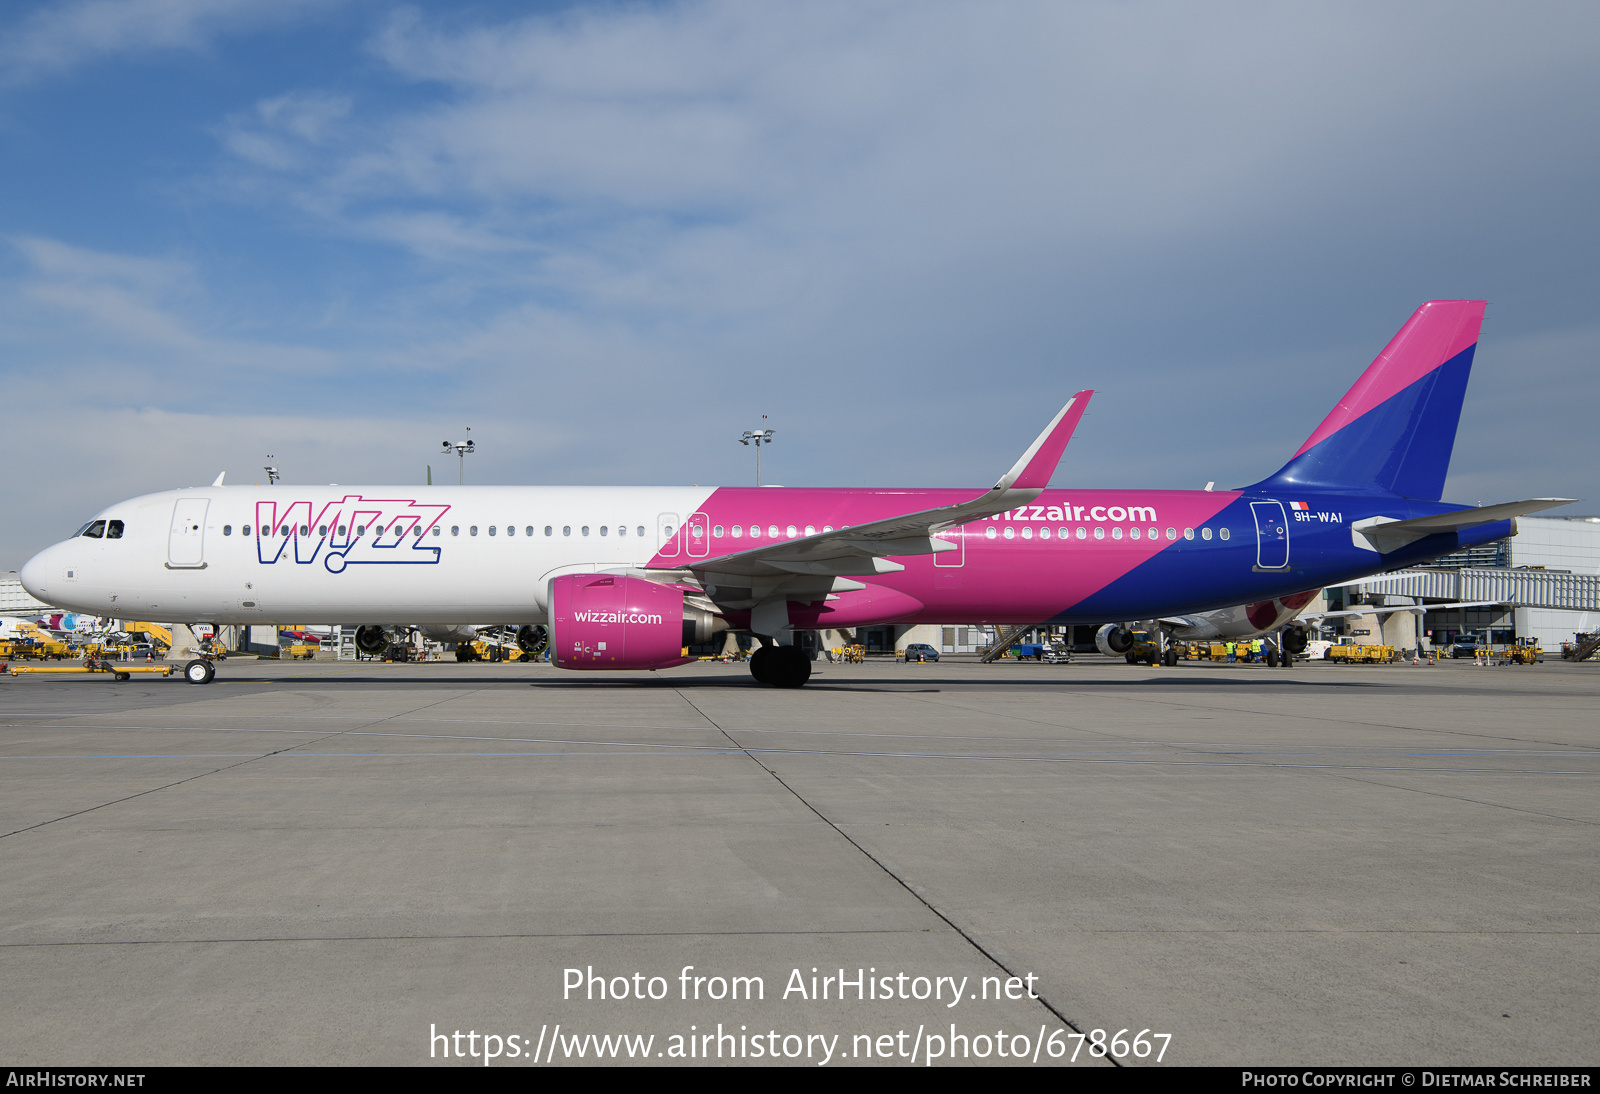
(865, 548)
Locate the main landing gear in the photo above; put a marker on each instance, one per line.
(780, 666)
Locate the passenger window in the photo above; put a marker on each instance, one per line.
(772, 531)
(361, 529)
(1099, 533)
(1044, 533)
(1010, 532)
(566, 529)
(1116, 533)
(245, 530)
(1172, 533)
(416, 530)
(1205, 533)
(810, 530)
(436, 529)
(473, 530)
(491, 530)
(990, 533)
(548, 530)
(585, 529)
(96, 530)
(602, 529)
(1133, 533)
(1188, 533)
(738, 531)
(227, 529)
(1223, 532)
(641, 530)
(305, 531)
(322, 529)
(755, 531)
(342, 529)
(1027, 531)
(622, 530)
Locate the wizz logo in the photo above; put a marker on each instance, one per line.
(353, 531)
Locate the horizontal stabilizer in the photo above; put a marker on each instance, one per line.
(1382, 534)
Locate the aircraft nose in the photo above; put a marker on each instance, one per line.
(34, 575)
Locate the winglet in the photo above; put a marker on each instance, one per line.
(1038, 463)
(219, 479)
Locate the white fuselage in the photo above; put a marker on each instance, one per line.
(294, 554)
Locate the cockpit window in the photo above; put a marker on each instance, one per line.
(95, 530)
(113, 529)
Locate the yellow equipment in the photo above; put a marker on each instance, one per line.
(1527, 651)
(158, 634)
(1360, 655)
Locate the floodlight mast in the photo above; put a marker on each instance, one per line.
(272, 472)
(461, 449)
(757, 437)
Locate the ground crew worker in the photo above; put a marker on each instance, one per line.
(1232, 652)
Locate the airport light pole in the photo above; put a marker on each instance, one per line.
(757, 437)
(461, 449)
(272, 472)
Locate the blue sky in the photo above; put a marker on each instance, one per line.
(610, 236)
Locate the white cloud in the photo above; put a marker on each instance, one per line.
(57, 37)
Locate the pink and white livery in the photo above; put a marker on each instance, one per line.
(626, 577)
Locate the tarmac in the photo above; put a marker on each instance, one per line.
(335, 863)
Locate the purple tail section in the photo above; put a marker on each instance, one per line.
(1395, 428)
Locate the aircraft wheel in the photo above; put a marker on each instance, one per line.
(1272, 659)
(761, 664)
(1170, 658)
(790, 667)
(199, 671)
(463, 653)
(124, 677)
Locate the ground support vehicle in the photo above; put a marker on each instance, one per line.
(1526, 651)
(118, 670)
(1582, 648)
(1359, 655)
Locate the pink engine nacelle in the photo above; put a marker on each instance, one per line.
(608, 621)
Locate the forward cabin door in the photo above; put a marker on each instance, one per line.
(1272, 535)
(186, 540)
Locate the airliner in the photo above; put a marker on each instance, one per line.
(628, 577)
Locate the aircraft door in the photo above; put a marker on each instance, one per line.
(1272, 535)
(186, 540)
(697, 535)
(667, 534)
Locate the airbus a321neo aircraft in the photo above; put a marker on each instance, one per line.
(626, 577)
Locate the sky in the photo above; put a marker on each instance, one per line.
(609, 237)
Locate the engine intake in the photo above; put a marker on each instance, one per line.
(611, 621)
(1112, 640)
(373, 639)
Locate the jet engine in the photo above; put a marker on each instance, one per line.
(1294, 639)
(1112, 640)
(532, 639)
(372, 639)
(611, 621)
